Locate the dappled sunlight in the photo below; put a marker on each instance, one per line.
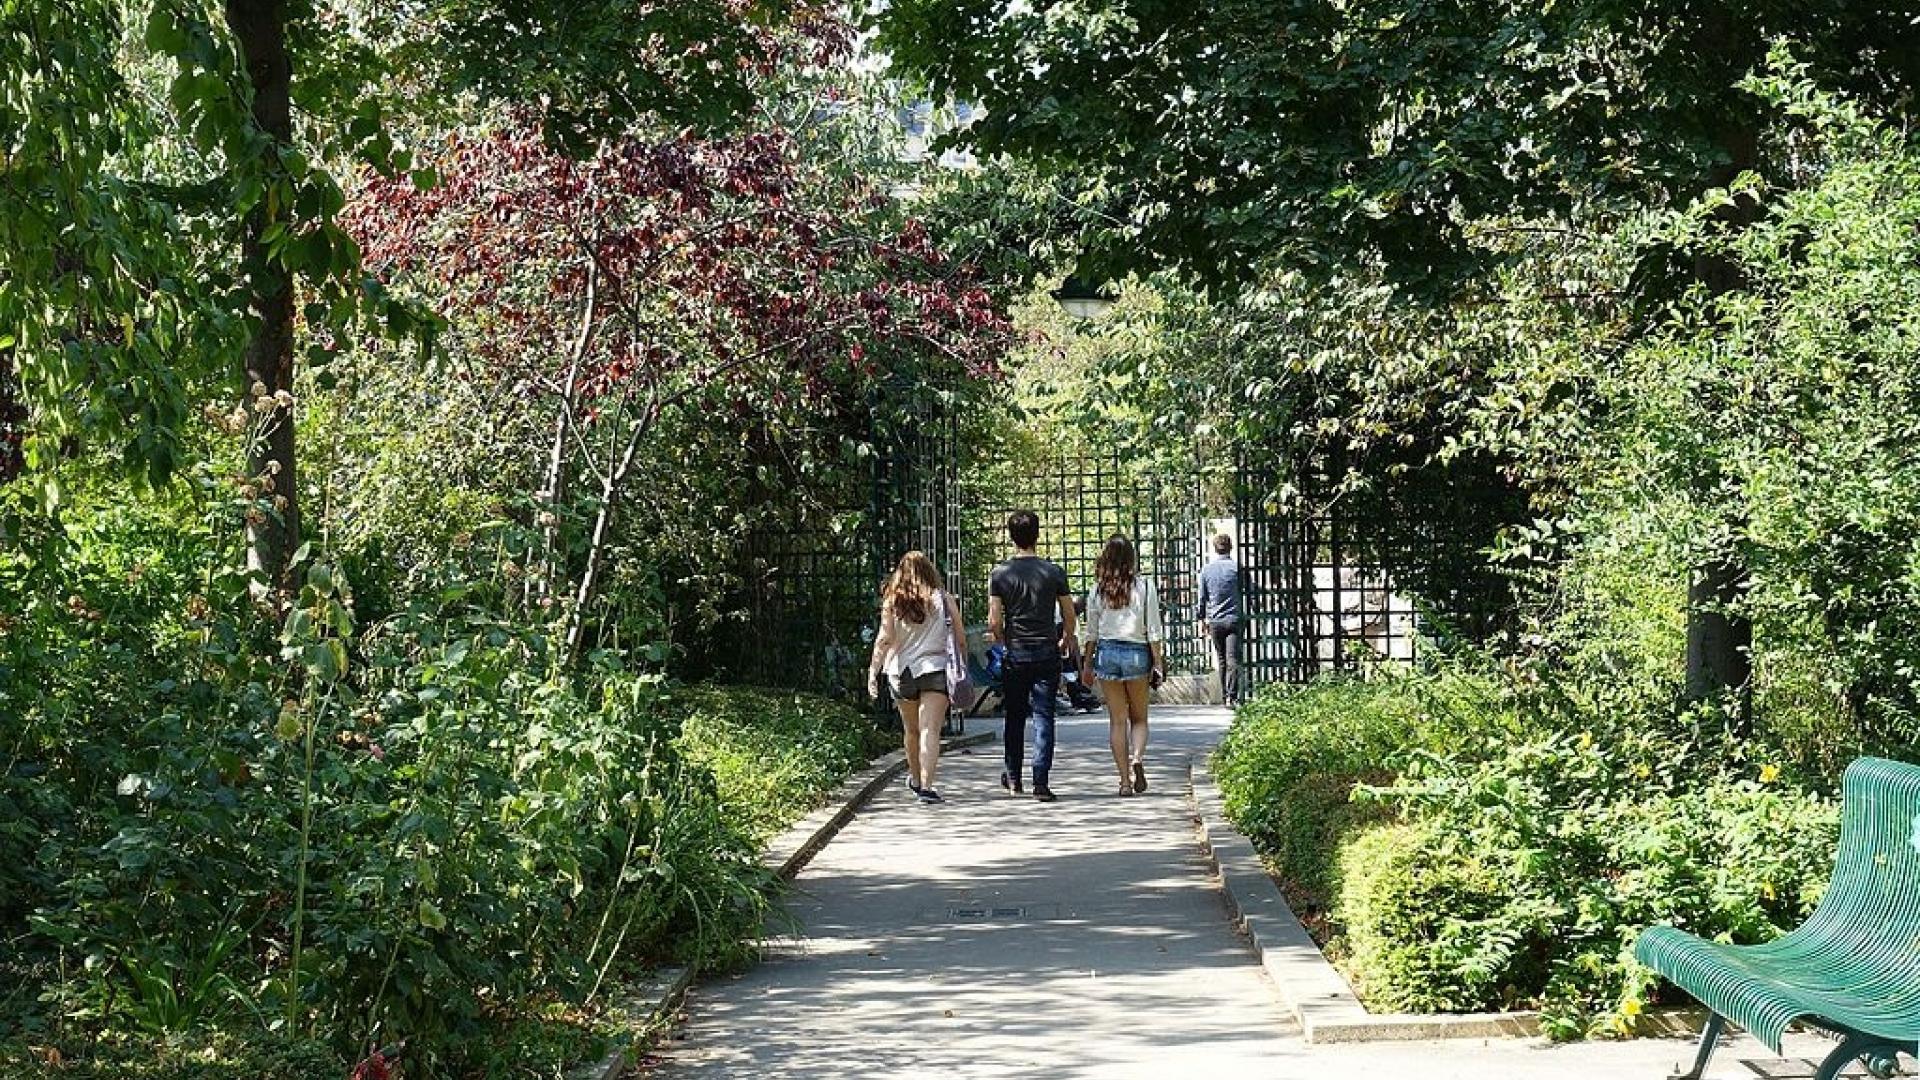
(1082, 938)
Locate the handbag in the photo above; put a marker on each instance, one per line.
(961, 691)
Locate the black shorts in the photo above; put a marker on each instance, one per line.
(909, 687)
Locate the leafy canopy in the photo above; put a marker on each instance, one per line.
(1248, 130)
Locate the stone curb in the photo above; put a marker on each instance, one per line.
(648, 1007)
(1311, 987)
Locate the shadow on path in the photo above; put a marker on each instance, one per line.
(997, 936)
(994, 936)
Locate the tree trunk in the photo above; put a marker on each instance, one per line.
(1719, 640)
(1719, 635)
(552, 496)
(259, 28)
(13, 419)
(612, 488)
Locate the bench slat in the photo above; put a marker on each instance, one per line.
(1856, 961)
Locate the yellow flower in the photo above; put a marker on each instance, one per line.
(1630, 1008)
(1769, 773)
(1766, 889)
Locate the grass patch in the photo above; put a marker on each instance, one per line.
(773, 754)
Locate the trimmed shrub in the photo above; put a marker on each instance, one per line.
(1409, 920)
(1290, 763)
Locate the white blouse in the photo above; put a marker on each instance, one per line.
(921, 648)
(1138, 622)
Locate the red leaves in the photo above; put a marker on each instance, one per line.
(711, 259)
(374, 1067)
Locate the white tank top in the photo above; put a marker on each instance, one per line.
(922, 648)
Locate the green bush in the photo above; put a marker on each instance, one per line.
(773, 754)
(1461, 848)
(489, 838)
(1408, 918)
(1294, 755)
(215, 1056)
(1523, 878)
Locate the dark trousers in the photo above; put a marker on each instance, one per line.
(1226, 649)
(1028, 682)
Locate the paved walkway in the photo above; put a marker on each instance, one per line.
(998, 937)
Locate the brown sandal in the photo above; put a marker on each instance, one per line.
(1139, 778)
(1125, 788)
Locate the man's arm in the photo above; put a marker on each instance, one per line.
(996, 620)
(1067, 628)
(1200, 619)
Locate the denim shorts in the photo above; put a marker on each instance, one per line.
(1118, 661)
(909, 687)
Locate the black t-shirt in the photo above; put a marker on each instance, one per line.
(1030, 589)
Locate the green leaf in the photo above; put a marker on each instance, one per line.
(164, 34)
(324, 660)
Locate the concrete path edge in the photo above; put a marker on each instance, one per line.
(648, 1006)
(1310, 987)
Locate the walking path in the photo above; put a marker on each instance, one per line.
(998, 937)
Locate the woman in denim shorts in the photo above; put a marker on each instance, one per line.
(920, 629)
(1122, 634)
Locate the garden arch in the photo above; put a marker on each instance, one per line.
(1323, 592)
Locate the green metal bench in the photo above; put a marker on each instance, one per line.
(1853, 969)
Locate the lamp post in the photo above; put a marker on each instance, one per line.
(1083, 301)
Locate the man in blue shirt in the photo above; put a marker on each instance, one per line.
(1029, 610)
(1220, 614)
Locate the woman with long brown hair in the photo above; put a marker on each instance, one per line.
(920, 629)
(1122, 634)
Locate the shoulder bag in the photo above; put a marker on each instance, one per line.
(961, 690)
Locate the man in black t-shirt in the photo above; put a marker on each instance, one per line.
(1025, 594)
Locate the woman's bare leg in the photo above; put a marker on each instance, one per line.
(1137, 718)
(1115, 694)
(910, 734)
(933, 716)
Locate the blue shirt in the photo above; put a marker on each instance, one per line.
(1220, 591)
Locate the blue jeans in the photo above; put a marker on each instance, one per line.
(1029, 678)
